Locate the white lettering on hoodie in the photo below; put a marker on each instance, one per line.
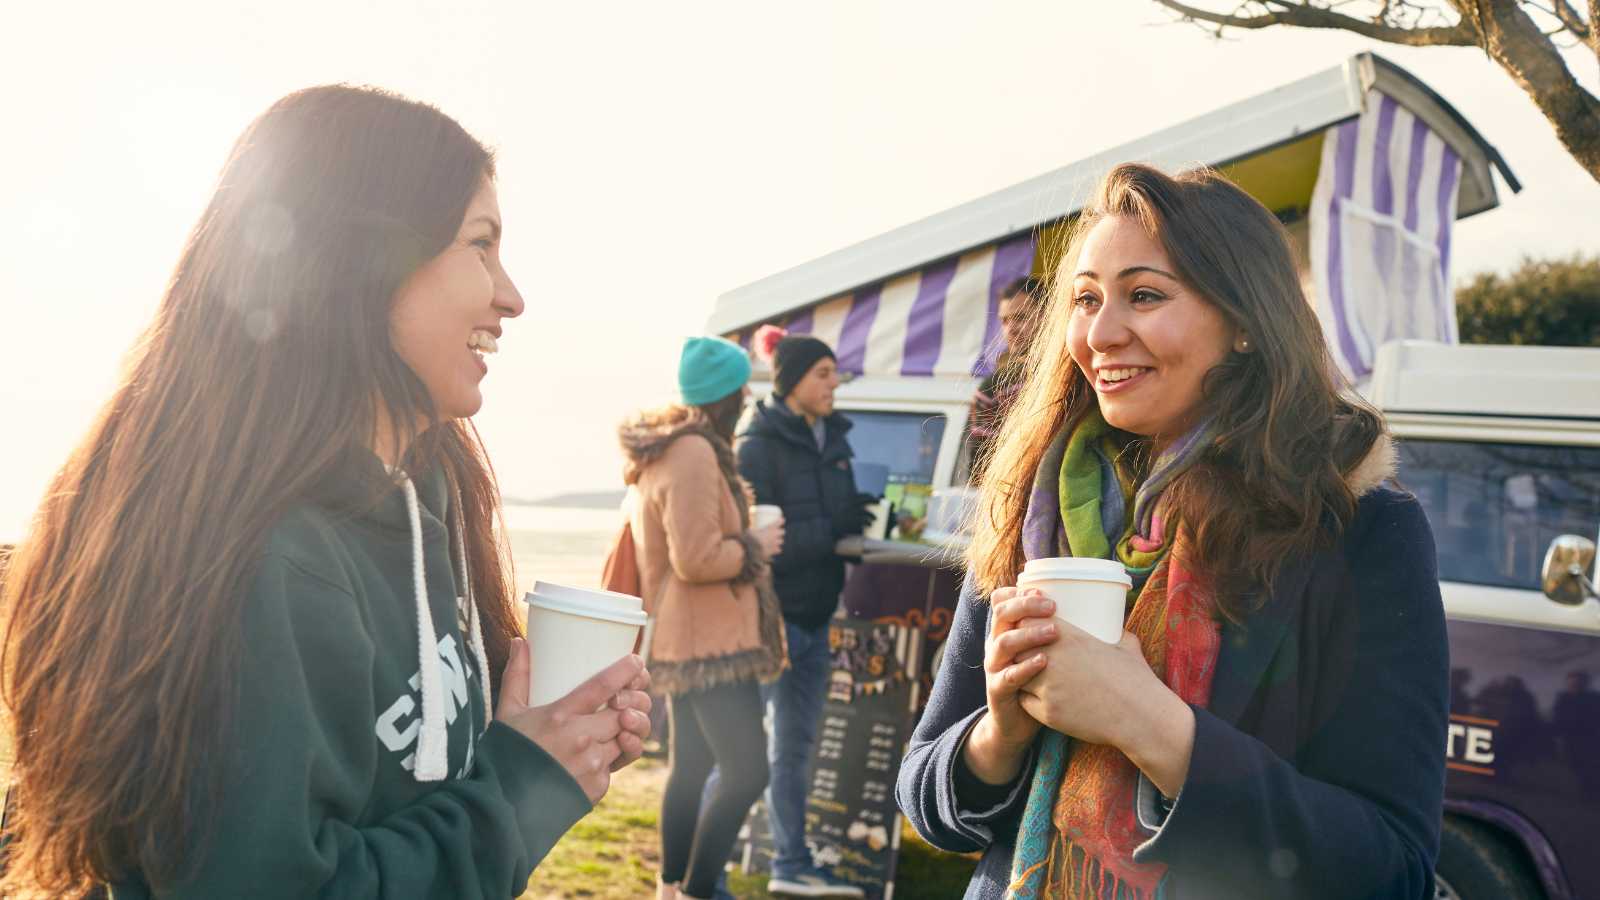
(397, 726)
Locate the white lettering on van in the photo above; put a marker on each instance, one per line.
(1469, 744)
(1478, 746)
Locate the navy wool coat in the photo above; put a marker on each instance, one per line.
(1318, 769)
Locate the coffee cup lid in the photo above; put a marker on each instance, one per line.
(608, 606)
(1076, 568)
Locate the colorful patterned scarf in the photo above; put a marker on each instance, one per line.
(1079, 828)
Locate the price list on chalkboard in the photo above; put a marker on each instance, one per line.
(852, 824)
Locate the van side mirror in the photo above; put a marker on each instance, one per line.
(1566, 567)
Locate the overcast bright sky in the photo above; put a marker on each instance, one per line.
(651, 156)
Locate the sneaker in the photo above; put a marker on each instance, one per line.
(815, 883)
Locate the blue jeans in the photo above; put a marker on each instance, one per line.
(795, 704)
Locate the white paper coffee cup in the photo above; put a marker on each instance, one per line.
(1089, 593)
(573, 633)
(879, 529)
(764, 514)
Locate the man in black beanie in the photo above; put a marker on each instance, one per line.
(793, 359)
(794, 454)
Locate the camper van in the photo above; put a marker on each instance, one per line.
(1369, 169)
(1502, 447)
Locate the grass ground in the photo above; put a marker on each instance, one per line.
(613, 853)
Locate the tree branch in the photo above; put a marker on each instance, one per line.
(1571, 18)
(1594, 27)
(1505, 30)
(1458, 35)
(1567, 18)
(1513, 40)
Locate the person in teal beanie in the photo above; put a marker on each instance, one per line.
(711, 369)
(716, 631)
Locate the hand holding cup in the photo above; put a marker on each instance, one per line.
(1020, 627)
(1013, 656)
(854, 516)
(766, 523)
(594, 730)
(1090, 689)
(1105, 693)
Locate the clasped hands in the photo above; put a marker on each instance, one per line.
(1043, 671)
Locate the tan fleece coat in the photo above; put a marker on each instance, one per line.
(702, 573)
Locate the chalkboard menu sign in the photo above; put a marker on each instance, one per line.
(852, 823)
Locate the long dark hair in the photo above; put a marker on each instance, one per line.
(724, 414)
(268, 366)
(1272, 485)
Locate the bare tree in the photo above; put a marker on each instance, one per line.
(1525, 37)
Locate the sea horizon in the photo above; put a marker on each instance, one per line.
(561, 544)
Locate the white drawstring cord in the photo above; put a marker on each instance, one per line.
(432, 757)
(474, 628)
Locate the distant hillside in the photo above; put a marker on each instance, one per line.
(580, 500)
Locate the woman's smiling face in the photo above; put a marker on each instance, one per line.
(447, 315)
(1143, 338)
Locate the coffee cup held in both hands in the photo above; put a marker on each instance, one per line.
(574, 633)
(1089, 593)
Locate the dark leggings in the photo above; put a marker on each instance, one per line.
(720, 725)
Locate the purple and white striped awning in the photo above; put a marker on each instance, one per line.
(941, 320)
(1381, 219)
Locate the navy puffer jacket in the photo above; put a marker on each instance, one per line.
(779, 457)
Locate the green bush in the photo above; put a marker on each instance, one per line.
(1549, 302)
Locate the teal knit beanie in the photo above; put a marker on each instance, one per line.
(711, 368)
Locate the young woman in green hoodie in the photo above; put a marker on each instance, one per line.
(254, 634)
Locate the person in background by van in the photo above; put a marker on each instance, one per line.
(1020, 305)
(1272, 723)
(795, 455)
(716, 631)
(261, 639)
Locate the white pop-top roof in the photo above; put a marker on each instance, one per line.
(1218, 138)
(1476, 379)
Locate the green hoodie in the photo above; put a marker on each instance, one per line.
(321, 796)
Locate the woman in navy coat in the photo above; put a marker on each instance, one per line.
(1272, 723)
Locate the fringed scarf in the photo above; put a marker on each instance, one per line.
(1079, 828)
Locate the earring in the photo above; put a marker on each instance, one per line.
(1244, 346)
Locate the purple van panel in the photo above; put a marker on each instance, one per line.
(1524, 743)
(1549, 869)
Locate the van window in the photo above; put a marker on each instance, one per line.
(908, 443)
(1494, 508)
